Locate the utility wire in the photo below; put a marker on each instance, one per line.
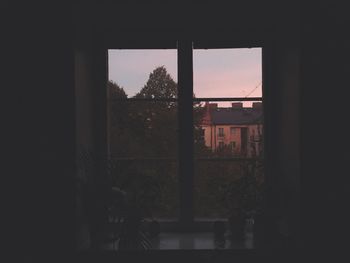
(253, 89)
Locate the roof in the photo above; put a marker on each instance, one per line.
(237, 116)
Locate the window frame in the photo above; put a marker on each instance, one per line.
(233, 130)
(186, 219)
(233, 145)
(221, 132)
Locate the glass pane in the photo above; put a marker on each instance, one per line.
(228, 151)
(224, 187)
(133, 70)
(149, 185)
(227, 72)
(143, 129)
(142, 135)
(211, 180)
(234, 131)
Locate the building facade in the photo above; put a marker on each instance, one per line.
(237, 129)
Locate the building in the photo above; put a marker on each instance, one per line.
(236, 128)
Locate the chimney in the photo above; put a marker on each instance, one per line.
(257, 105)
(206, 120)
(237, 105)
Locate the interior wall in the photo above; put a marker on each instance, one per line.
(281, 91)
(324, 105)
(285, 120)
(90, 93)
(85, 139)
(42, 82)
(44, 76)
(241, 22)
(290, 145)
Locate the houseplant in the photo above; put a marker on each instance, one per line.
(129, 209)
(128, 225)
(114, 215)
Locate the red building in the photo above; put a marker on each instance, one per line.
(238, 128)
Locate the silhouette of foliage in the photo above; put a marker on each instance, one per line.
(142, 131)
(146, 129)
(160, 85)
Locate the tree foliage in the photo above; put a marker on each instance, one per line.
(160, 85)
(147, 129)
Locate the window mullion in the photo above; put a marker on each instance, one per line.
(185, 107)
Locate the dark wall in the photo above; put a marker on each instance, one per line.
(325, 69)
(281, 58)
(40, 53)
(40, 106)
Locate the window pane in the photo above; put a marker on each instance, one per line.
(228, 151)
(234, 131)
(225, 185)
(143, 147)
(227, 73)
(142, 134)
(143, 129)
(149, 185)
(132, 70)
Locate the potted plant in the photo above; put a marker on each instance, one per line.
(129, 210)
(114, 215)
(129, 226)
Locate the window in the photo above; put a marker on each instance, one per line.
(153, 135)
(201, 135)
(143, 138)
(226, 91)
(233, 130)
(221, 132)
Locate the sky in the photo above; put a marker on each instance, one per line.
(216, 72)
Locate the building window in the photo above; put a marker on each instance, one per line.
(233, 145)
(233, 130)
(221, 132)
(221, 145)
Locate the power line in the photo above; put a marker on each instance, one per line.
(254, 89)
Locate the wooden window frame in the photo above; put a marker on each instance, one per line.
(186, 220)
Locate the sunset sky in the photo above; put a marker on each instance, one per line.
(216, 72)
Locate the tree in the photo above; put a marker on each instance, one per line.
(159, 85)
(118, 119)
(159, 118)
(148, 129)
(116, 95)
(114, 91)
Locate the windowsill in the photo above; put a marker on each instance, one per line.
(203, 240)
(199, 225)
(195, 241)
